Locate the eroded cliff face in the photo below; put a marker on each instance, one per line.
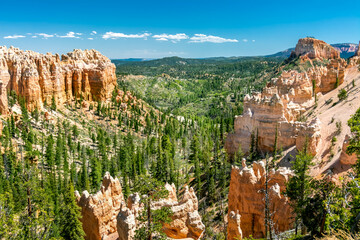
(40, 77)
(246, 198)
(186, 221)
(99, 211)
(314, 48)
(357, 53)
(106, 215)
(278, 109)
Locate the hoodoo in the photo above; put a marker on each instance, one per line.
(106, 215)
(246, 201)
(278, 109)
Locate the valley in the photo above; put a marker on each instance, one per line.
(175, 148)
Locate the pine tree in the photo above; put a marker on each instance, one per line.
(84, 180)
(298, 187)
(95, 174)
(71, 226)
(50, 157)
(211, 189)
(53, 104)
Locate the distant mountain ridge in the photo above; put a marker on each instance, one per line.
(346, 50)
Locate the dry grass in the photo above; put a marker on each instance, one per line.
(340, 235)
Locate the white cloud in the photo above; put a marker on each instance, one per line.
(245, 40)
(93, 33)
(201, 38)
(70, 35)
(174, 38)
(253, 40)
(45, 35)
(14, 36)
(90, 38)
(34, 36)
(112, 35)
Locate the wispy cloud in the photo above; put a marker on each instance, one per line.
(112, 35)
(71, 35)
(90, 38)
(245, 40)
(173, 37)
(45, 35)
(253, 40)
(201, 38)
(14, 36)
(93, 33)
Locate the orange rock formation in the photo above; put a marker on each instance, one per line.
(105, 215)
(186, 221)
(314, 48)
(247, 201)
(41, 77)
(99, 211)
(278, 109)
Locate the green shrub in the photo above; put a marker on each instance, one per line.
(342, 94)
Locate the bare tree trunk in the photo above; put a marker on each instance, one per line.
(149, 219)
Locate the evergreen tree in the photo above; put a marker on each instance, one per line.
(71, 226)
(298, 187)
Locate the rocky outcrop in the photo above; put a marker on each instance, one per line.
(345, 158)
(246, 201)
(278, 110)
(234, 226)
(186, 221)
(357, 53)
(99, 210)
(39, 78)
(106, 215)
(314, 48)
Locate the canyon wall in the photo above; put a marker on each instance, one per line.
(246, 214)
(39, 78)
(106, 215)
(278, 110)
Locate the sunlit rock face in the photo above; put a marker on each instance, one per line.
(99, 210)
(39, 78)
(246, 214)
(314, 48)
(186, 220)
(277, 110)
(106, 215)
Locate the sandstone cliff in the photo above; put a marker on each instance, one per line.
(99, 211)
(279, 108)
(105, 215)
(287, 108)
(39, 78)
(247, 204)
(357, 53)
(186, 221)
(314, 48)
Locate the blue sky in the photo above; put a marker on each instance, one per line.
(186, 28)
